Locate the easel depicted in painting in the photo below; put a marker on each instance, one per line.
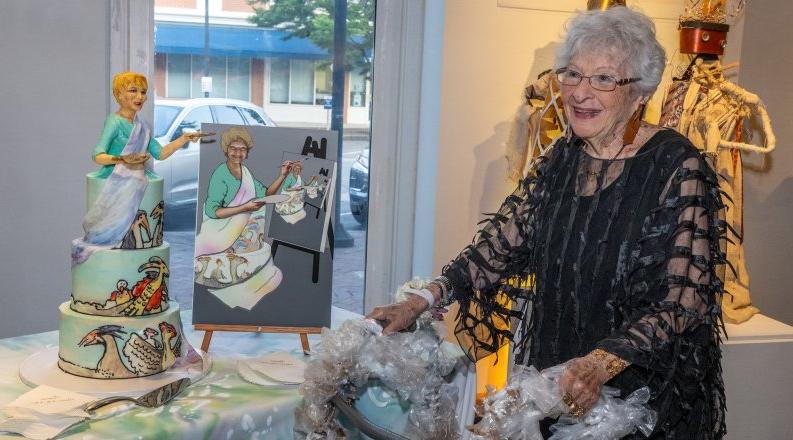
(711, 111)
(291, 225)
(256, 194)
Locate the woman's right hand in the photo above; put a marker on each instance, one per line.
(252, 205)
(286, 166)
(401, 315)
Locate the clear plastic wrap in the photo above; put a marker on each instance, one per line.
(515, 411)
(413, 364)
(530, 396)
(611, 418)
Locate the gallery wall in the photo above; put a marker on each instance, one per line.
(52, 105)
(490, 51)
(768, 185)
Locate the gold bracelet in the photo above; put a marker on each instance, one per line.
(614, 365)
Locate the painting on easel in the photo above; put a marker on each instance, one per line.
(303, 219)
(263, 218)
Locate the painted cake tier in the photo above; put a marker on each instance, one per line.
(122, 282)
(146, 229)
(118, 347)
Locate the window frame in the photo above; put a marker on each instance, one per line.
(399, 245)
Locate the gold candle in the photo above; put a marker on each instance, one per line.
(603, 4)
(712, 8)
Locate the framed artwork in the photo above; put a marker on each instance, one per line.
(263, 218)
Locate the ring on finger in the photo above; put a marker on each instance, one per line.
(575, 409)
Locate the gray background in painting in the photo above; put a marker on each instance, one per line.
(297, 302)
(307, 232)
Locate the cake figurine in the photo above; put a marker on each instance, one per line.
(120, 322)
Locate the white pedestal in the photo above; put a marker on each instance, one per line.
(758, 377)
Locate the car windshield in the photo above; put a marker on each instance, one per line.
(163, 117)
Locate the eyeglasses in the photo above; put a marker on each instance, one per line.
(237, 149)
(602, 82)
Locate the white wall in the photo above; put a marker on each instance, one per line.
(768, 182)
(53, 101)
(489, 52)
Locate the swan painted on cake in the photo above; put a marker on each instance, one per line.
(139, 356)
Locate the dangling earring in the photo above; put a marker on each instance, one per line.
(632, 127)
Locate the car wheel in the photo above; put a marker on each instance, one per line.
(361, 215)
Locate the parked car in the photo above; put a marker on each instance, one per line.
(359, 187)
(173, 117)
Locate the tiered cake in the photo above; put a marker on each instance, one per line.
(119, 322)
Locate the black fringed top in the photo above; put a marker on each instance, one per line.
(624, 255)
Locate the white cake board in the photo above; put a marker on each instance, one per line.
(42, 369)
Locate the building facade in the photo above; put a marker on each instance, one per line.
(290, 78)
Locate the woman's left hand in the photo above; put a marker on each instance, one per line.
(581, 382)
(135, 158)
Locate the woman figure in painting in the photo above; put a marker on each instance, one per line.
(293, 181)
(620, 229)
(292, 210)
(123, 148)
(226, 183)
(233, 210)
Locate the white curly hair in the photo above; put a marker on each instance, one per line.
(622, 32)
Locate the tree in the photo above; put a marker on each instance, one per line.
(313, 19)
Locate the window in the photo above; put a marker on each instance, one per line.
(357, 89)
(178, 76)
(227, 114)
(193, 120)
(302, 82)
(239, 78)
(217, 70)
(231, 77)
(279, 81)
(293, 82)
(252, 116)
(323, 83)
(163, 118)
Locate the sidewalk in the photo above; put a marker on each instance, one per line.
(355, 132)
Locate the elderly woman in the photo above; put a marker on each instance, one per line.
(293, 182)
(233, 195)
(620, 230)
(233, 211)
(230, 179)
